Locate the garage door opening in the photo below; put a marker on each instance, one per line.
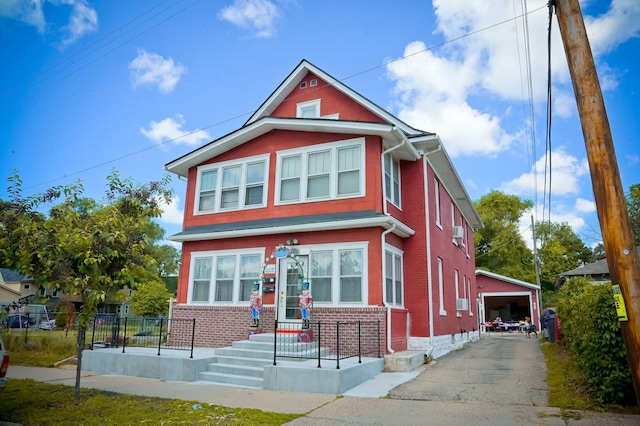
(510, 308)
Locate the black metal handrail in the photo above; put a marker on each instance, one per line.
(160, 333)
(333, 341)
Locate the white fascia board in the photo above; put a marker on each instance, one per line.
(400, 229)
(300, 72)
(182, 165)
(507, 279)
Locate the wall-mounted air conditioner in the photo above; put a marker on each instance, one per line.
(462, 304)
(458, 232)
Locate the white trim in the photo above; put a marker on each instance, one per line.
(303, 106)
(436, 198)
(399, 253)
(443, 312)
(243, 163)
(303, 153)
(213, 255)
(507, 279)
(387, 222)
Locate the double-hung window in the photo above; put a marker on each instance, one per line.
(393, 278)
(338, 274)
(224, 277)
(328, 171)
(232, 185)
(392, 179)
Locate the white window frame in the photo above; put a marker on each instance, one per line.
(436, 196)
(242, 187)
(441, 287)
(393, 195)
(236, 298)
(303, 153)
(306, 106)
(396, 275)
(469, 295)
(456, 277)
(335, 250)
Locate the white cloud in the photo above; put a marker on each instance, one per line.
(170, 129)
(258, 15)
(171, 213)
(462, 89)
(633, 159)
(83, 20)
(585, 206)
(431, 93)
(565, 176)
(29, 12)
(154, 70)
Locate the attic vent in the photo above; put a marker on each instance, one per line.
(303, 85)
(313, 83)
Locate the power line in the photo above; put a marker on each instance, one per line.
(383, 64)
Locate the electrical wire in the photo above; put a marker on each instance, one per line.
(383, 64)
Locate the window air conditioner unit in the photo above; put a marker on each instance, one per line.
(462, 304)
(458, 232)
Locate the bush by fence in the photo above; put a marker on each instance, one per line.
(591, 333)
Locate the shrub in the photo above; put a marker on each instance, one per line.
(61, 319)
(591, 333)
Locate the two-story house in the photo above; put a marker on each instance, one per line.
(322, 186)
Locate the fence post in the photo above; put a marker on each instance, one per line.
(275, 342)
(93, 333)
(319, 340)
(160, 335)
(359, 342)
(338, 345)
(124, 338)
(193, 335)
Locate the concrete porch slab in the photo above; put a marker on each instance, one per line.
(404, 361)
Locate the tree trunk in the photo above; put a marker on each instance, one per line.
(82, 331)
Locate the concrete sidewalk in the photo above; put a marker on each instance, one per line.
(500, 380)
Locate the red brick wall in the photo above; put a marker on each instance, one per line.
(219, 326)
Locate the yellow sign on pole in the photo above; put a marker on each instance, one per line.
(619, 301)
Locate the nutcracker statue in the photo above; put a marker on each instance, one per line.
(256, 304)
(304, 300)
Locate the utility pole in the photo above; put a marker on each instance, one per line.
(622, 256)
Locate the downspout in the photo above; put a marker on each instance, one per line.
(429, 275)
(383, 238)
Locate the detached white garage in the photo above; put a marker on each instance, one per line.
(508, 298)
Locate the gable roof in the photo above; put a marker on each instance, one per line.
(298, 74)
(507, 279)
(408, 142)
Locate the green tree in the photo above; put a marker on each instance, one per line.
(499, 246)
(560, 250)
(633, 204)
(151, 299)
(82, 247)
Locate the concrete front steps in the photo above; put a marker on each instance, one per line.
(242, 364)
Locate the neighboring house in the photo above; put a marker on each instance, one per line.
(512, 300)
(18, 289)
(597, 271)
(321, 185)
(14, 286)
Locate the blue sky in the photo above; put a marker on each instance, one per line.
(88, 86)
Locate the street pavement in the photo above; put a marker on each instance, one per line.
(499, 380)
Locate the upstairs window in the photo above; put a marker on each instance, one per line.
(231, 186)
(392, 179)
(310, 109)
(328, 171)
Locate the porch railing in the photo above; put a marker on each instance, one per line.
(161, 333)
(323, 340)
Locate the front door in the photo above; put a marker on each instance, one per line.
(291, 277)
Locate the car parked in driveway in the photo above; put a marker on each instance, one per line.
(4, 358)
(20, 321)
